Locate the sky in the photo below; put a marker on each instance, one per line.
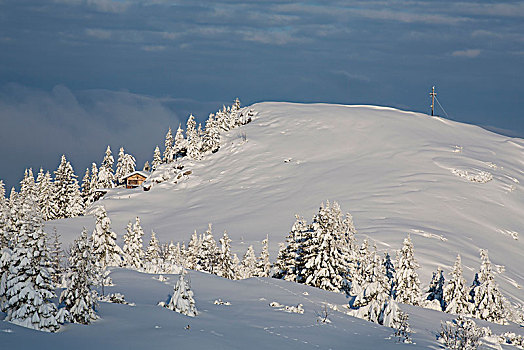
(78, 75)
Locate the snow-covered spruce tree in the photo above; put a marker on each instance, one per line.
(263, 264)
(45, 189)
(133, 249)
(152, 257)
(407, 282)
(105, 249)
(390, 272)
(372, 292)
(85, 188)
(248, 265)
(146, 166)
(436, 289)
(169, 154)
(358, 268)
(126, 165)
(28, 186)
(79, 297)
(208, 254)
(226, 267)
(182, 300)
(93, 185)
(403, 331)
(56, 254)
(105, 173)
(174, 254)
(290, 260)
(106, 176)
(180, 145)
(211, 138)
(326, 253)
(193, 252)
(28, 286)
(67, 195)
(455, 298)
(193, 139)
(157, 158)
(488, 302)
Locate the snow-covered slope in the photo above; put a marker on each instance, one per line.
(396, 172)
(453, 187)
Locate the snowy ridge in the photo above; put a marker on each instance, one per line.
(394, 171)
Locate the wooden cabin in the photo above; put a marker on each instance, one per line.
(135, 179)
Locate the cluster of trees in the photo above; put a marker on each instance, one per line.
(199, 140)
(324, 254)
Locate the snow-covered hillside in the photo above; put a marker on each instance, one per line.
(455, 188)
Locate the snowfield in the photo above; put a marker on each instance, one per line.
(454, 188)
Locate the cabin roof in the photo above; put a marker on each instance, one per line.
(145, 174)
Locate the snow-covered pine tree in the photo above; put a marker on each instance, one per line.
(28, 286)
(45, 188)
(455, 298)
(174, 254)
(129, 164)
(407, 282)
(119, 173)
(157, 158)
(488, 302)
(290, 260)
(436, 288)
(390, 272)
(208, 254)
(193, 252)
(461, 334)
(79, 297)
(169, 154)
(85, 188)
(105, 249)
(133, 245)
(106, 176)
(182, 300)
(28, 186)
(146, 166)
(211, 138)
(263, 264)
(326, 256)
(361, 259)
(56, 254)
(93, 185)
(66, 192)
(193, 139)
(152, 257)
(180, 145)
(226, 267)
(248, 265)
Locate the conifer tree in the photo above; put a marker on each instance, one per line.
(120, 173)
(169, 155)
(174, 254)
(455, 298)
(211, 138)
(146, 167)
(106, 176)
(180, 145)
(56, 254)
(133, 245)
(28, 186)
(193, 252)
(226, 266)
(488, 302)
(157, 158)
(28, 286)
(153, 252)
(105, 249)
(182, 300)
(67, 195)
(193, 139)
(326, 255)
(390, 272)
(290, 260)
(436, 288)
(45, 189)
(263, 264)
(85, 188)
(248, 266)
(208, 254)
(79, 297)
(407, 282)
(93, 184)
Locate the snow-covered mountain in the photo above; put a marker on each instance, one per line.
(454, 188)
